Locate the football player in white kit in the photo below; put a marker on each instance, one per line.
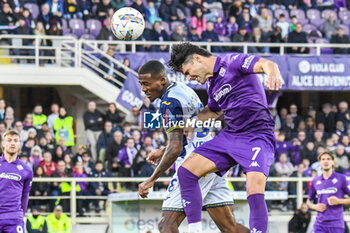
(178, 104)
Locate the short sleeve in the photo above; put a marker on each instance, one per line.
(312, 191)
(346, 186)
(243, 63)
(213, 105)
(172, 113)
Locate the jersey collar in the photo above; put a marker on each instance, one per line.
(173, 84)
(331, 177)
(217, 65)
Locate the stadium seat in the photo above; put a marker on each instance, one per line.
(345, 28)
(148, 25)
(317, 22)
(65, 28)
(87, 37)
(300, 14)
(166, 27)
(77, 26)
(282, 11)
(72, 35)
(174, 25)
(326, 12)
(94, 26)
(324, 41)
(308, 28)
(345, 17)
(224, 39)
(313, 14)
(33, 8)
(219, 12)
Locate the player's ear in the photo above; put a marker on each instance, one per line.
(197, 58)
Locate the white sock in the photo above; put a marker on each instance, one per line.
(195, 227)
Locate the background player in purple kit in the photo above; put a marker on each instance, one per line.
(248, 139)
(15, 184)
(330, 188)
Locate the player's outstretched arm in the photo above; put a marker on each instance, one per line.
(172, 151)
(270, 68)
(318, 207)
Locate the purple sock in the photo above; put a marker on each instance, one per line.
(191, 195)
(258, 213)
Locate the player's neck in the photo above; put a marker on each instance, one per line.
(165, 88)
(211, 65)
(10, 158)
(327, 174)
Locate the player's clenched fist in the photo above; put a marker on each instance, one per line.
(144, 188)
(333, 200)
(320, 207)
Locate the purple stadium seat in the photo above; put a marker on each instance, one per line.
(317, 22)
(87, 37)
(180, 13)
(345, 28)
(174, 25)
(326, 12)
(148, 25)
(300, 15)
(33, 8)
(77, 26)
(219, 12)
(224, 39)
(93, 9)
(313, 14)
(345, 17)
(188, 12)
(270, 13)
(94, 26)
(281, 11)
(166, 27)
(324, 41)
(65, 28)
(72, 35)
(308, 28)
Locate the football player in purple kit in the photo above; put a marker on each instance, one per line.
(15, 184)
(330, 188)
(235, 91)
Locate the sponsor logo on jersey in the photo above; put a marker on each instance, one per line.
(330, 190)
(166, 103)
(226, 88)
(254, 164)
(247, 62)
(11, 176)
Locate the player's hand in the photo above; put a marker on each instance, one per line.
(333, 200)
(320, 207)
(144, 188)
(274, 81)
(155, 156)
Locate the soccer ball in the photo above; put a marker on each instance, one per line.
(127, 24)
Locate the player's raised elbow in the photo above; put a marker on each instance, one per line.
(264, 65)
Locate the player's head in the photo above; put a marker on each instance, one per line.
(11, 143)
(153, 79)
(326, 160)
(191, 60)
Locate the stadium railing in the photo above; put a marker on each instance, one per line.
(104, 219)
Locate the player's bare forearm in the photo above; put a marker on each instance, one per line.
(310, 204)
(171, 153)
(206, 114)
(266, 67)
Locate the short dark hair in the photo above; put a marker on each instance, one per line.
(181, 53)
(153, 67)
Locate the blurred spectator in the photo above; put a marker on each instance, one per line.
(138, 5)
(298, 36)
(23, 133)
(231, 27)
(35, 156)
(325, 4)
(113, 151)
(329, 27)
(87, 164)
(9, 121)
(346, 143)
(117, 4)
(126, 157)
(242, 36)
(199, 22)
(106, 32)
(27, 145)
(235, 9)
(343, 114)
(56, 7)
(36, 223)
(247, 20)
(108, 66)
(152, 13)
(63, 127)
(39, 189)
(28, 18)
(339, 128)
(340, 38)
(47, 164)
(104, 140)
(7, 17)
(210, 36)
(93, 123)
(294, 22)
(341, 160)
(55, 29)
(2, 106)
(284, 26)
(300, 221)
(282, 146)
(290, 4)
(158, 34)
(309, 152)
(179, 34)
(193, 34)
(292, 187)
(136, 135)
(318, 138)
(127, 130)
(113, 116)
(141, 168)
(253, 8)
(168, 11)
(258, 37)
(133, 117)
(59, 154)
(53, 116)
(38, 117)
(293, 110)
(326, 117)
(71, 10)
(265, 22)
(24, 158)
(80, 173)
(220, 26)
(99, 188)
(276, 37)
(45, 16)
(103, 9)
(85, 8)
(67, 158)
(24, 29)
(58, 221)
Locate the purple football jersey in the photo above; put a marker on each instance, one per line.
(15, 184)
(335, 185)
(237, 91)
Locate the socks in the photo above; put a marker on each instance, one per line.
(191, 195)
(258, 213)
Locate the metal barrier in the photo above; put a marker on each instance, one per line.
(73, 196)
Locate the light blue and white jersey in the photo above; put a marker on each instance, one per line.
(179, 104)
